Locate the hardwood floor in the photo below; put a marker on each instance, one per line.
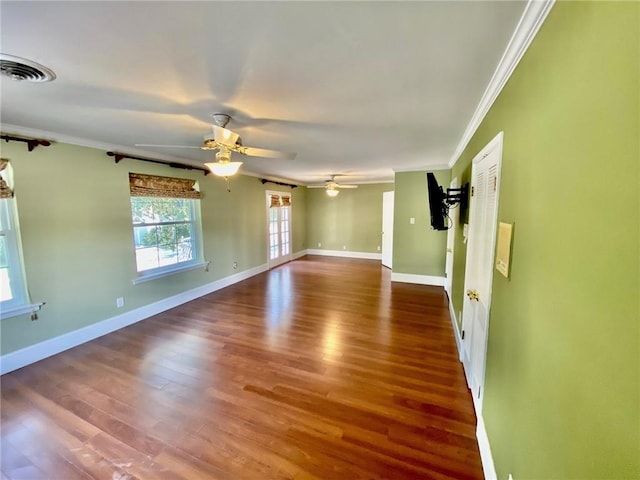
(321, 368)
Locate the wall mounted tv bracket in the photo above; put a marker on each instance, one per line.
(455, 196)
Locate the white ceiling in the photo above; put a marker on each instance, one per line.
(356, 88)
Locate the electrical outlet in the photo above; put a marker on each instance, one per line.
(412, 220)
(235, 265)
(319, 244)
(378, 247)
(344, 247)
(120, 302)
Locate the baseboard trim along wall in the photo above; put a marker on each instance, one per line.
(345, 253)
(486, 457)
(299, 254)
(33, 353)
(419, 279)
(485, 451)
(456, 330)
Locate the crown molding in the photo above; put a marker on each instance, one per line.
(426, 168)
(532, 19)
(86, 142)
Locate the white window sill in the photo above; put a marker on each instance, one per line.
(15, 311)
(185, 268)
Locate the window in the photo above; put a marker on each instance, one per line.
(166, 225)
(12, 286)
(14, 298)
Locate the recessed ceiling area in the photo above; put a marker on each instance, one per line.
(360, 89)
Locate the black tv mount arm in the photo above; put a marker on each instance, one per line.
(455, 196)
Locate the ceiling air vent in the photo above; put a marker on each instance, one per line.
(23, 70)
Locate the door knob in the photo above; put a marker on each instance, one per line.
(473, 295)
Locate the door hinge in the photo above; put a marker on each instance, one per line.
(462, 335)
(479, 390)
(495, 184)
(473, 191)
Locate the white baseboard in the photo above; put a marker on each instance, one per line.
(33, 353)
(456, 329)
(345, 253)
(420, 279)
(485, 451)
(299, 254)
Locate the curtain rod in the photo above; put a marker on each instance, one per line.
(31, 142)
(264, 180)
(121, 156)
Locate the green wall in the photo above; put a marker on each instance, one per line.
(563, 367)
(353, 219)
(417, 249)
(74, 211)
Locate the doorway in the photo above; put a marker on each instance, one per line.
(278, 228)
(483, 217)
(387, 229)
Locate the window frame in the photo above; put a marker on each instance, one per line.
(10, 231)
(195, 223)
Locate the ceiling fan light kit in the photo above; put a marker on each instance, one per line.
(224, 169)
(332, 192)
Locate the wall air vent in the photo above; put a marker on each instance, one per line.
(23, 70)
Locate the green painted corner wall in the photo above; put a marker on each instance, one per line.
(352, 221)
(74, 211)
(562, 387)
(417, 249)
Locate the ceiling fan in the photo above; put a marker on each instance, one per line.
(332, 187)
(226, 141)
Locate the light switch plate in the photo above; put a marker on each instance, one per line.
(503, 250)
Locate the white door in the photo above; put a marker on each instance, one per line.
(454, 215)
(483, 218)
(278, 228)
(387, 229)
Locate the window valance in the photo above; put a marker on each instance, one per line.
(5, 191)
(279, 201)
(141, 185)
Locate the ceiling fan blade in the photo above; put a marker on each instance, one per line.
(346, 186)
(263, 152)
(316, 186)
(164, 146)
(224, 137)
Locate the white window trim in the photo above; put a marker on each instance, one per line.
(166, 271)
(21, 310)
(20, 304)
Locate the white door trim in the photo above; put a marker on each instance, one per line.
(284, 258)
(388, 200)
(495, 145)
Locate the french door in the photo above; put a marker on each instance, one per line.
(278, 228)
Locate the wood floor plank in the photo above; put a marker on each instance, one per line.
(319, 369)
